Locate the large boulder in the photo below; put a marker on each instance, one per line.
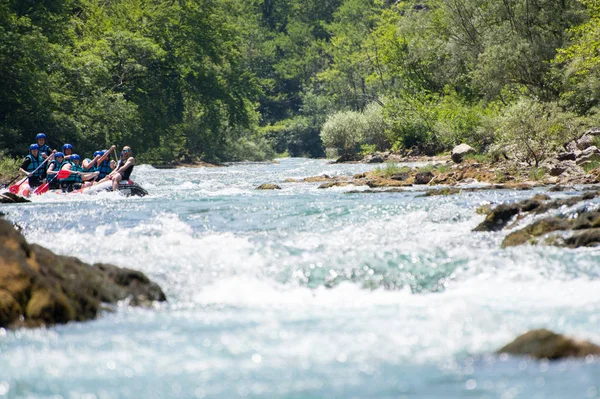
(585, 141)
(459, 152)
(545, 344)
(38, 287)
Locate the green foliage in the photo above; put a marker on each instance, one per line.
(481, 158)
(529, 130)
(392, 169)
(366, 149)
(9, 167)
(426, 168)
(589, 166)
(442, 168)
(537, 173)
(344, 131)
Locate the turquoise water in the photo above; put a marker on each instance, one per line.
(303, 293)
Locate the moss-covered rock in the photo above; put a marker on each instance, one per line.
(534, 230)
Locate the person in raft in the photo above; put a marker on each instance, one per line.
(45, 150)
(32, 166)
(101, 163)
(78, 178)
(67, 150)
(124, 168)
(53, 168)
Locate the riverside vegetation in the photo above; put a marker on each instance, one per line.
(223, 81)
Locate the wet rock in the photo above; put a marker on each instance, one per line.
(348, 158)
(534, 230)
(541, 197)
(459, 152)
(583, 238)
(545, 344)
(317, 179)
(560, 187)
(423, 177)
(38, 287)
(10, 198)
(499, 217)
(268, 186)
(442, 191)
(335, 184)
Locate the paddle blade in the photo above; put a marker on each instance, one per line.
(14, 188)
(63, 174)
(42, 189)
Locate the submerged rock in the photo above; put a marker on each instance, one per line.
(545, 344)
(38, 287)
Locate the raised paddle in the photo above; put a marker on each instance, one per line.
(63, 174)
(15, 187)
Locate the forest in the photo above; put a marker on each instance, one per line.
(223, 80)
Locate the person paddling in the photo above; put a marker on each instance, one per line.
(77, 177)
(104, 165)
(53, 169)
(124, 168)
(45, 150)
(31, 166)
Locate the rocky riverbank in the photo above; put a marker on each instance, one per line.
(38, 287)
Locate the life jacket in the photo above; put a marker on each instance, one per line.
(45, 149)
(57, 168)
(35, 163)
(73, 177)
(91, 168)
(104, 169)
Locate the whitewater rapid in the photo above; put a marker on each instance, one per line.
(303, 293)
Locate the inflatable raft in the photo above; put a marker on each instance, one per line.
(127, 188)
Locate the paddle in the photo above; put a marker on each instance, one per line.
(15, 187)
(63, 174)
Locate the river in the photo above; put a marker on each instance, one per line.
(303, 293)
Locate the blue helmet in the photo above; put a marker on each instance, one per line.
(59, 155)
(34, 147)
(75, 157)
(67, 147)
(98, 153)
(40, 136)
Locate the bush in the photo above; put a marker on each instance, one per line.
(344, 131)
(392, 169)
(529, 131)
(376, 127)
(9, 167)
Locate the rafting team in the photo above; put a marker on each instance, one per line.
(42, 165)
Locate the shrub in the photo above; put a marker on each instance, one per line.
(392, 169)
(529, 130)
(344, 131)
(9, 167)
(375, 127)
(537, 173)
